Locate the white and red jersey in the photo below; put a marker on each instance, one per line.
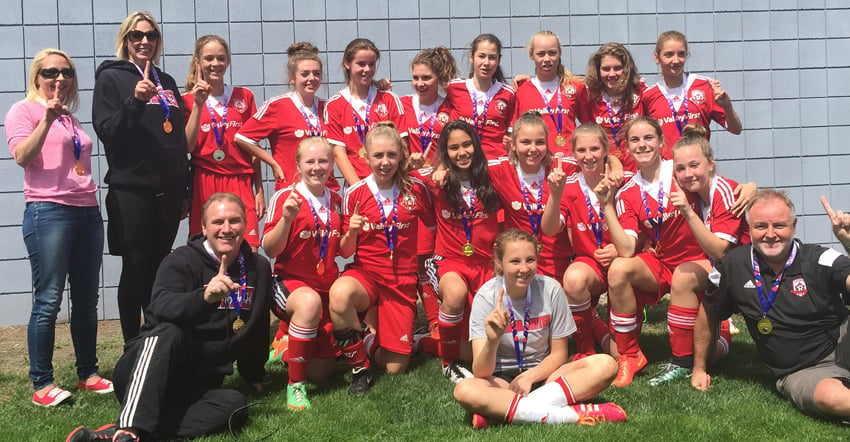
(348, 126)
(677, 243)
(451, 235)
(574, 208)
(507, 179)
(493, 113)
(300, 258)
(693, 103)
(373, 252)
(612, 118)
(718, 216)
(240, 106)
(285, 121)
(425, 123)
(573, 106)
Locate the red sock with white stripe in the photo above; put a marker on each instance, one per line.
(626, 332)
(524, 410)
(583, 337)
(301, 340)
(680, 323)
(557, 393)
(451, 334)
(600, 330)
(352, 348)
(429, 299)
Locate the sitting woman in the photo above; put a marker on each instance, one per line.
(524, 376)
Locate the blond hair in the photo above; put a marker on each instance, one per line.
(71, 99)
(127, 25)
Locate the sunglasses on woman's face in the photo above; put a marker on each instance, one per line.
(51, 73)
(136, 36)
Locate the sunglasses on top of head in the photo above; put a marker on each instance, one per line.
(136, 36)
(51, 73)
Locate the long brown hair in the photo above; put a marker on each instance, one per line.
(629, 83)
(196, 57)
(439, 60)
(358, 44)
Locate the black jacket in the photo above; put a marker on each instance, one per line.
(178, 298)
(141, 156)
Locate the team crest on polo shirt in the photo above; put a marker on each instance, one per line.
(501, 106)
(299, 133)
(409, 202)
(381, 110)
(570, 90)
(443, 117)
(798, 287)
(516, 205)
(205, 127)
(347, 130)
(239, 105)
(304, 234)
(599, 120)
(697, 97)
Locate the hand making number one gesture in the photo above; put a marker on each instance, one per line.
(497, 321)
(840, 223)
(220, 285)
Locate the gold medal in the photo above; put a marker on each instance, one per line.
(468, 249)
(79, 168)
(219, 155)
(238, 325)
(391, 255)
(320, 268)
(167, 127)
(539, 246)
(362, 152)
(765, 326)
(560, 140)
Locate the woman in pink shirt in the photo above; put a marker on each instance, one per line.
(62, 226)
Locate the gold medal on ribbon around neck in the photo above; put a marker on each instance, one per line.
(238, 325)
(362, 152)
(320, 268)
(539, 247)
(765, 326)
(219, 155)
(560, 140)
(167, 127)
(468, 249)
(79, 168)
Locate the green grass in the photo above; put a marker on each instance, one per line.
(418, 405)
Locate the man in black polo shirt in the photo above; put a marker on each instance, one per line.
(793, 297)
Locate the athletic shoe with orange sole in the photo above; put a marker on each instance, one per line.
(479, 422)
(279, 348)
(592, 414)
(629, 366)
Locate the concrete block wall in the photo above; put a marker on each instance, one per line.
(785, 63)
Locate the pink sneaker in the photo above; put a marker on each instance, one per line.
(54, 397)
(102, 386)
(592, 414)
(479, 422)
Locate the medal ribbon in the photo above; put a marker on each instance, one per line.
(487, 98)
(767, 302)
(219, 137)
(390, 231)
(655, 222)
(680, 124)
(323, 236)
(163, 99)
(362, 130)
(534, 215)
(526, 321)
(616, 123)
(559, 123)
(425, 141)
(75, 136)
(467, 221)
(243, 287)
(596, 226)
(316, 131)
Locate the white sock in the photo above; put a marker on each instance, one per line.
(530, 411)
(549, 394)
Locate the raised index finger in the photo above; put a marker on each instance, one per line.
(827, 207)
(147, 69)
(500, 298)
(56, 90)
(356, 208)
(199, 74)
(559, 162)
(222, 269)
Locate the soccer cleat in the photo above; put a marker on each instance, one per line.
(54, 397)
(279, 347)
(592, 414)
(479, 422)
(629, 366)
(296, 396)
(456, 372)
(668, 373)
(361, 381)
(125, 436)
(83, 434)
(102, 386)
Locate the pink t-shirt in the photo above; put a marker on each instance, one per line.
(51, 176)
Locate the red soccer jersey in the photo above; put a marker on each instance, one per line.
(240, 106)
(572, 107)
(718, 217)
(373, 252)
(612, 119)
(694, 103)
(424, 124)
(492, 116)
(574, 207)
(300, 257)
(451, 234)
(677, 242)
(349, 130)
(506, 180)
(284, 121)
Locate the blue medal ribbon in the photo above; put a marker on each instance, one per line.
(391, 230)
(425, 141)
(219, 137)
(767, 302)
(534, 215)
(686, 116)
(479, 130)
(316, 131)
(596, 226)
(526, 321)
(616, 123)
(75, 136)
(363, 129)
(237, 297)
(657, 221)
(467, 221)
(559, 123)
(323, 236)
(160, 92)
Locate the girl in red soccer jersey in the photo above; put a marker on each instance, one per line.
(288, 119)
(643, 210)
(466, 227)
(554, 91)
(522, 375)
(587, 277)
(484, 100)
(520, 181)
(216, 111)
(425, 113)
(302, 232)
(354, 111)
(381, 225)
(717, 229)
(679, 98)
(614, 90)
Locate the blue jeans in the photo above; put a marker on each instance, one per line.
(63, 241)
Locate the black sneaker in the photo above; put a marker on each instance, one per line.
(457, 371)
(361, 381)
(83, 434)
(126, 436)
